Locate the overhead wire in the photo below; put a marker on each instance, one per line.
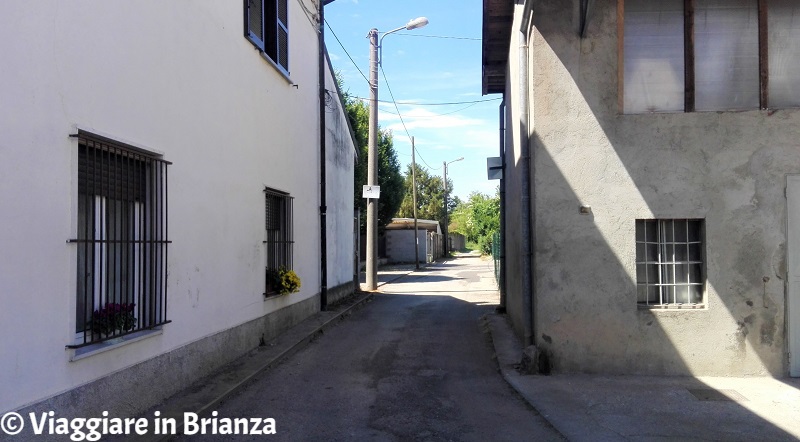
(449, 103)
(394, 102)
(438, 115)
(312, 18)
(440, 36)
(411, 104)
(403, 121)
(348, 54)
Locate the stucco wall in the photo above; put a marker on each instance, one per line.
(340, 164)
(400, 245)
(514, 130)
(177, 80)
(727, 168)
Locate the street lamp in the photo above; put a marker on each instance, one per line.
(372, 149)
(446, 232)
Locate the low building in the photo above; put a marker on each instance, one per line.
(400, 243)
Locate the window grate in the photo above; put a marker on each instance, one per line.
(279, 241)
(669, 262)
(121, 241)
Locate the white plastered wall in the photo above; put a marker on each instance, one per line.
(182, 81)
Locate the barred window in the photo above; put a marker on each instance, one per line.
(279, 235)
(669, 263)
(121, 240)
(266, 25)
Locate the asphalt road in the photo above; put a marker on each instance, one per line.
(413, 364)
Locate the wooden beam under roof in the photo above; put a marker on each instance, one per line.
(498, 16)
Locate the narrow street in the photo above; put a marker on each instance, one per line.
(413, 364)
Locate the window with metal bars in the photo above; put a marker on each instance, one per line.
(669, 263)
(121, 240)
(266, 25)
(279, 240)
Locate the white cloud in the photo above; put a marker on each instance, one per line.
(419, 118)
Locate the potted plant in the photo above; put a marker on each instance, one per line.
(282, 281)
(113, 317)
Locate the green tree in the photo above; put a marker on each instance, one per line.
(478, 219)
(389, 177)
(430, 196)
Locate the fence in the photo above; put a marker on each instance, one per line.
(496, 256)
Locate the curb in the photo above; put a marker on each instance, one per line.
(300, 344)
(201, 398)
(505, 360)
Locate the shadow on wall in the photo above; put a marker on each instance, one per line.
(726, 169)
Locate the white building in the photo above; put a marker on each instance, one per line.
(162, 156)
(657, 145)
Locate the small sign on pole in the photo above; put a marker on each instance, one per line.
(494, 168)
(372, 192)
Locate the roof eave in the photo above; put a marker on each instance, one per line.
(498, 16)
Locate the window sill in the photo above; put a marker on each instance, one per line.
(277, 67)
(102, 347)
(671, 307)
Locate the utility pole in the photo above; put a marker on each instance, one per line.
(372, 148)
(446, 233)
(372, 164)
(444, 227)
(414, 193)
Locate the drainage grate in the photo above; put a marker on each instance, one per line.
(708, 394)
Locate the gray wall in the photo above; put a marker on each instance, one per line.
(400, 245)
(727, 168)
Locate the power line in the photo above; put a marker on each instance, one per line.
(348, 54)
(437, 115)
(401, 118)
(440, 36)
(310, 15)
(438, 104)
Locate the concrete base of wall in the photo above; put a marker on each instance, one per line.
(340, 292)
(132, 391)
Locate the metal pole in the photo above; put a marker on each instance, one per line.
(445, 209)
(372, 165)
(414, 193)
(323, 206)
(502, 119)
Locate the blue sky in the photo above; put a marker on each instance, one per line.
(422, 68)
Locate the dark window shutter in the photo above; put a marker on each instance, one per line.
(105, 172)
(254, 14)
(283, 34)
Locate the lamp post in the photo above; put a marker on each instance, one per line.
(372, 149)
(446, 222)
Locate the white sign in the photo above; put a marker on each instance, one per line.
(372, 192)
